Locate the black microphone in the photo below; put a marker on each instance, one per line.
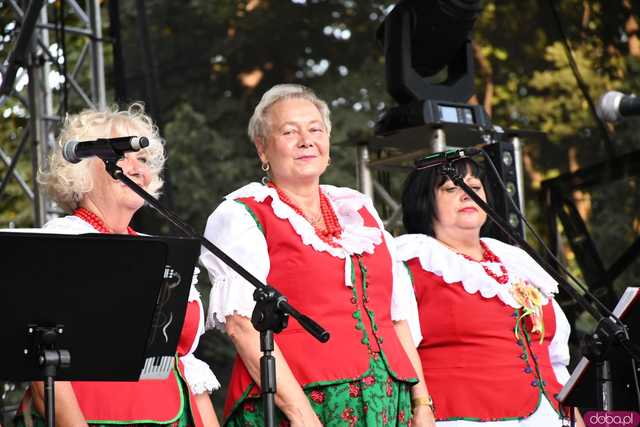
(105, 148)
(437, 159)
(613, 106)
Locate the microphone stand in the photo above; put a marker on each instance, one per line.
(609, 328)
(272, 309)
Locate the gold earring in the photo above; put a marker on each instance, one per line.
(329, 162)
(265, 167)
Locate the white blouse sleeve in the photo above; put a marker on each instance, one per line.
(233, 229)
(197, 373)
(559, 346)
(403, 299)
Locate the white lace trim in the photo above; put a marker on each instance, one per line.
(356, 237)
(222, 292)
(198, 375)
(194, 294)
(454, 268)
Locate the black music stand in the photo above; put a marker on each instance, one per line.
(86, 307)
(272, 308)
(581, 390)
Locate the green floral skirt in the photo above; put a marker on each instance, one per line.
(376, 399)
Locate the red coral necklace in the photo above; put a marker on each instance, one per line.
(97, 223)
(487, 257)
(332, 229)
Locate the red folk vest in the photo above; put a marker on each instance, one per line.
(473, 364)
(358, 318)
(147, 400)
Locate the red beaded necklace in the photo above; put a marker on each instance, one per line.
(97, 223)
(488, 256)
(332, 229)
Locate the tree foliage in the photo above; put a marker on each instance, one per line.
(213, 60)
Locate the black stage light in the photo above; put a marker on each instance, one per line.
(428, 56)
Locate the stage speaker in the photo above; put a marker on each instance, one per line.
(507, 158)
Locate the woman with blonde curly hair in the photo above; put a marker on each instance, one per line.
(99, 204)
(77, 185)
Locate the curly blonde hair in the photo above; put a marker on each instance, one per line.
(67, 183)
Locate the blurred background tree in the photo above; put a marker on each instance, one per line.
(210, 62)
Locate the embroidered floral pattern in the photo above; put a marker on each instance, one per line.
(317, 396)
(375, 400)
(249, 406)
(369, 380)
(349, 416)
(354, 390)
(389, 387)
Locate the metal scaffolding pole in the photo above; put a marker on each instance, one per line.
(434, 141)
(40, 114)
(98, 92)
(365, 180)
(44, 104)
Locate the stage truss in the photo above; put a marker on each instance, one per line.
(39, 58)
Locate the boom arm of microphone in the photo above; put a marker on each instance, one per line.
(610, 327)
(307, 323)
(272, 308)
(18, 56)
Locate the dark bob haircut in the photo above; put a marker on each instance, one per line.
(418, 196)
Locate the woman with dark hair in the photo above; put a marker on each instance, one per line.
(495, 343)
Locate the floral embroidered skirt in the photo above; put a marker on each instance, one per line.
(376, 399)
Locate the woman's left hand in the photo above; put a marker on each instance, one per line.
(423, 417)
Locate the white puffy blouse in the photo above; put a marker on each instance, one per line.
(455, 269)
(232, 228)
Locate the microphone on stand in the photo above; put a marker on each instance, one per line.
(613, 106)
(105, 148)
(437, 159)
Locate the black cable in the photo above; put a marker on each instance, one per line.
(581, 84)
(115, 32)
(582, 287)
(548, 251)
